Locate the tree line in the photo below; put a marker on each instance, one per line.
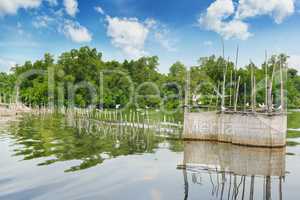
(81, 78)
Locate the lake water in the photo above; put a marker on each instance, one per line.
(51, 158)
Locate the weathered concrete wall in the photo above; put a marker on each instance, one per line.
(244, 129)
(236, 159)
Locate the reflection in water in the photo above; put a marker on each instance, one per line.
(235, 172)
(56, 139)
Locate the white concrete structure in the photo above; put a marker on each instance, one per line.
(250, 129)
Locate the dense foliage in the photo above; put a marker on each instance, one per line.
(81, 78)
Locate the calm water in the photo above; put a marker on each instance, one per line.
(55, 158)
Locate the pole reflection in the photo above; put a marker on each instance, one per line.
(233, 172)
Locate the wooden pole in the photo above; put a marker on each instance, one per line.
(266, 79)
(252, 88)
(230, 89)
(270, 99)
(237, 94)
(245, 96)
(235, 69)
(254, 92)
(187, 91)
(223, 89)
(217, 100)
(282, 104)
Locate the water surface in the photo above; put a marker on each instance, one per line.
(53, 157)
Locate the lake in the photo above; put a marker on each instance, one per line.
(54, 157)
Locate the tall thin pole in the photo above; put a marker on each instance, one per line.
(217, 100)
(187, 91)
(266, 79)
(237, 94)
(281, 88)
(252, 88)
(245, 96)
(230, 89)
(223, 89)
(254, 92)
(235, 69)
(270, 99)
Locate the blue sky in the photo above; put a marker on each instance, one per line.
(182, 30)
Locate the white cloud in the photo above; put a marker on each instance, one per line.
(99, 10)
(11, 7)
(278, 9)
(6, 64)
(71, 7)
(215, 20)
(223, 17)
(42, 21)
(128, 34)
(163, 38)
(76, 32)
(151, 23)
(52, 2)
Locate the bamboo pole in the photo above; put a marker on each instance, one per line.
(235, 71)
(217, 100)
(223, 89)
(266, 79)
(230, 89)
(254, 92)
(282, 104)
(237, 94)
(245, 97)
(187, 91)
(270, 99)
(252, 103)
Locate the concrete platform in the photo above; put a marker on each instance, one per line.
(251, 129)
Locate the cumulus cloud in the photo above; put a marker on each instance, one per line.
(42, 21)
(71, 7)
(99, 10)
(163, 38)
(11, 7)
(223, 17)
(52, 2)
(215, 20)
(77, 33)
(6, 64)
(278, 9)
(128, 34)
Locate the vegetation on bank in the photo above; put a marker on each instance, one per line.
(81, 77)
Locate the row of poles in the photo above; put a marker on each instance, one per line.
(234, 95)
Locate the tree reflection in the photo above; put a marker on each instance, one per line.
(60, 139)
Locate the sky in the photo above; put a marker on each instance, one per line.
(173, 30)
